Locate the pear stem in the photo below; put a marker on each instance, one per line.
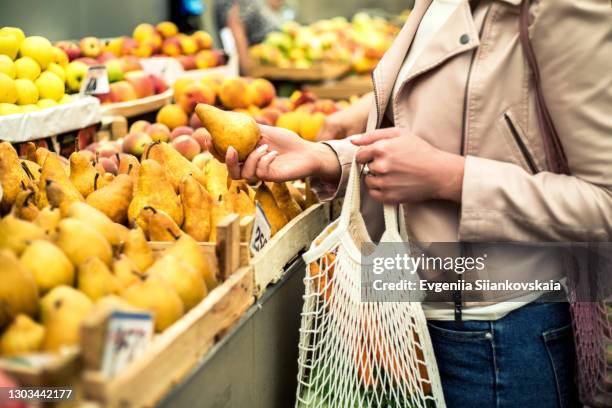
(96, 177)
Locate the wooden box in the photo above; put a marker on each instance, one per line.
(319, 71)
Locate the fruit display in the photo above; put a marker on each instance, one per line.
(33, 73)
(360, 42)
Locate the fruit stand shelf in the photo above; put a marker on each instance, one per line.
(319, 71)
(138, 106)
(24, 127)
(170, 69)
(354, 85)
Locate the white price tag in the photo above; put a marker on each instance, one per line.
(128, 335)
(96, 81)
(261, 230)
(169, 69)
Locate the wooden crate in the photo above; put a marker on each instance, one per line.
(139, 106)
(318, 72)
(269, 264)
(179, 348)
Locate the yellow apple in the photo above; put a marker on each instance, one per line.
(60, 57)
(17, 32)
(57, 70)
(27, 68)
(8, 90)
(46, 103)
(9, 109)
(50, 86)
(27, 93)
(9, 45)
(7, 66)
(29, 108)
(38, 48)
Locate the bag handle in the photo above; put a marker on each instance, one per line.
(553, 149)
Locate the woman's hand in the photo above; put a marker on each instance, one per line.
(281, 155)
(347, 122)
(405, 168)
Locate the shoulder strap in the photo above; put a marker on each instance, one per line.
(555, 156)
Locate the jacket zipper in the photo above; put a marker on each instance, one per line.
(374, 87)
(521, 145)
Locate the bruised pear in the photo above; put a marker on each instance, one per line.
(25, 205)
(229, 129)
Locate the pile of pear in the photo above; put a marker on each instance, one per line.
(73, 236)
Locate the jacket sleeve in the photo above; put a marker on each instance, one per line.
(345, 151)
(572, 40)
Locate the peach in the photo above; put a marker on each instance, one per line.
(213, 81)
(271, 114)
(135, 143)
(181, 131)
(144, 50)
(194, 121)
(142, 83)
(143, 32)
(194, 94)
(310, 126)
(186, 146)
(291, 121)
(107, 149)
(158, 132)
(188, 44)
(326, 106)
(201, 159)
(200, 135)
(130, 63)
(262, 92)
(172, 116)
(172, 47)
(109, 165)
(301, 97)
(205, 59)
(140, 126)
(234, 93)
(187, 61)
(128, 46)
(167, 29)
(122, 91)
(282, 104)
(180, 84)
(203, 40)
(159, 85)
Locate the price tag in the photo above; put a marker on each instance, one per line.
(261, 230)
(96, 81)
(168, 69)
(128, 335)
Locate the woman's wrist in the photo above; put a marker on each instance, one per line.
(325, 164)
(449, 177)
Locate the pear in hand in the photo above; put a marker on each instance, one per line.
(229, 129)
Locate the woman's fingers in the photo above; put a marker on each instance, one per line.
(232, 163)
(263, 167)
(249, 168)
(211, 148)
(365, 155)
(374, 136)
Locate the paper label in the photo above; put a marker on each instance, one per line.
(261, 230)
(169, 69)
(128, 335)
(96, 81)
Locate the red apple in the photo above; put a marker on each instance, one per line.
(186, 146)
(180, 131)
(199, 136)
(159, 85)
(106, 56)
(71, 49)
(135, 143)
(90, 47)
(142, 83)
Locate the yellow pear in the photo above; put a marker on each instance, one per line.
(23, 336)
(154, 295)
(197, 205)
(83, 174)
(18, 291)
(159, 225)
(48, 219)
(297, 195)
(16, 233)
(311, 196)
(96, 219)
(12, 176)
(137, 249)
(175, 164)
(274, 214)
(284, 200)
(113, 302)
(80, 241)
(114, 198)
(216, 178)
(32, 169)
(187, 250)
(58, 195)
(63, 310)
(154, 189)
(125, 270)
(49, 265)
(96, 280)
(229, 129)
(25, 206)
(239, 199)
(220, 209)
(182, 277)
(53, 169)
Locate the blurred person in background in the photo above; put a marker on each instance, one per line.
(249, 22)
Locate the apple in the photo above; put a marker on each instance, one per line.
(60, 57)
(205, 59)
(167, 29)
(271, 113)
(90, 47)
(144, 50)
(186, 146)
(181, 131)
(188, 44)
(113, 70)
(143, 32)
(202, 39)
(87, 61)
(106, 56)
(159, 132)
(194, 121)
(200, 135)
(172, 47)
(142, 83)
(75, 73)
(140, 126)
(159, 85)
(114, 46)
(194, 94)
(221, 57)
(135, 143)
(130, 63)
(128, 46)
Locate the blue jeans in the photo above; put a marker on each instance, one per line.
(525, 359)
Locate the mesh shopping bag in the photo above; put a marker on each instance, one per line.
(354, 353)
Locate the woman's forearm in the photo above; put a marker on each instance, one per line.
(326, 163)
